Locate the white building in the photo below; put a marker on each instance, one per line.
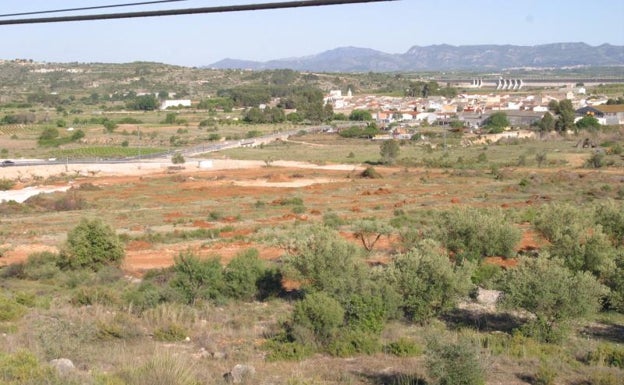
(175, 103)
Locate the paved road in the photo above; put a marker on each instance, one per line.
(187, 151)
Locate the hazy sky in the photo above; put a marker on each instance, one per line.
(391, 27)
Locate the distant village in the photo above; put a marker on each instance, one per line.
(522, 110)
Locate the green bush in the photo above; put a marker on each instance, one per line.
(23, 368)
(323, 261)
(351, 342)
(172, 332)
(487, 275)
(147, 296)
(317, 315)
(607, 355)
(428, 282)
(332, 220)
(365, 313)
(122, 326)
(286, 350)
(474, 233)
(6, 184)
(91, 295)
(242, 275)
(453, 364)
(553, 293)
(42, 266)
(370, 173)
(178, 158)
(545, 375)
(91, 245)
(575, 237)
(403, 348)
(197, 279)
(10, 310)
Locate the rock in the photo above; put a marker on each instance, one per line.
(63, 366)
(239, 373)
(488, 297)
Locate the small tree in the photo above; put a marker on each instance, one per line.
(497, 122)
(369, 231)
(323, 261)
(360, 115)
(546, 288)
(565, 115)
(92, 244)
(178, 158)
(547, 123)
(197, 279)
(389, 151)
(428, 281)
(540, 158)
(242, 275)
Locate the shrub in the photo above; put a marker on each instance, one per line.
(162, 369)
(145, 296)
(428, 282)
(43, 265)
(553, 293)
(597, 160)
(545, 375)
(318, 314)
(92, 245)
(197, 279)
(610, 215)
(454, 364)
(122, 326)
(575, 237)
(91, 295)
(24, 368)
(10, 310)
(486, 275)
(323, 261)
(332, 220)
(369, 231)
(351, 342)
(171, 333)
(286, 350)
(178, 158)
(607, 355)
(403, 348)
(6, 184)
(370, 173)
(242, 275)
(365, 313)
(474, 233)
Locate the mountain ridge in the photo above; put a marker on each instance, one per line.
(442, 57)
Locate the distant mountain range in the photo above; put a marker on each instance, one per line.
(443, 57)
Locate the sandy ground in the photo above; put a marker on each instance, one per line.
(147, 167)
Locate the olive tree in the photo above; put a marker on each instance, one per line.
(553, 293)
(428, 281)
(389, 151)
(92, 244)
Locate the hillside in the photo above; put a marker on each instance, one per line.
(444, 57)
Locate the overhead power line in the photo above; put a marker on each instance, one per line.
(90, 8)
(188, 11)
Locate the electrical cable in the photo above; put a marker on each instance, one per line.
(90, 8)
(188, 11)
